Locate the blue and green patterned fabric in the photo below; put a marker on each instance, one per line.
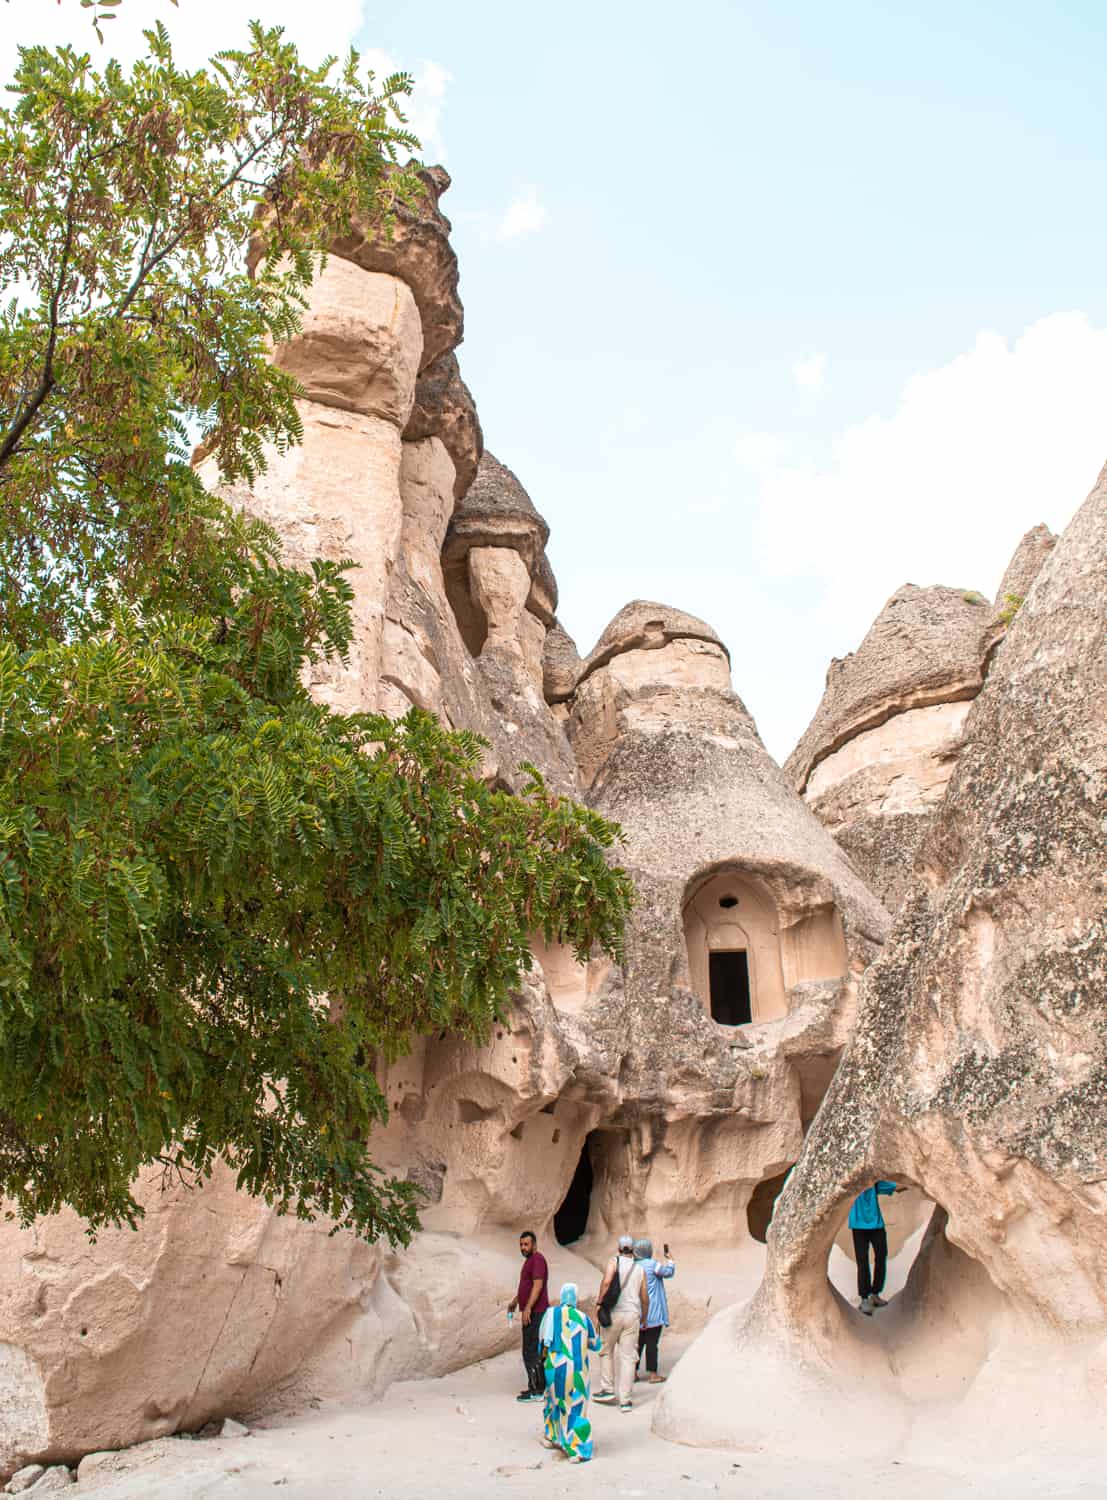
(568, 1337)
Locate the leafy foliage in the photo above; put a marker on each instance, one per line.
(221, 904)
(1012, 603)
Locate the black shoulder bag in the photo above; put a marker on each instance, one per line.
(609, 1299)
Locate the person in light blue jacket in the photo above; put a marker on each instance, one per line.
(656, 1316)
(869, 1233)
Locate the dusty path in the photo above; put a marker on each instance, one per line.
(465, 1435)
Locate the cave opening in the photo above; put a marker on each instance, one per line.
(729, 980)
(759, 1210)
(874, 1259)
(571, 1219)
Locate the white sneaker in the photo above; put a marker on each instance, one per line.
(877, 1301)
(866, 1306)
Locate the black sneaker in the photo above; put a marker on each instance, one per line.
(524, 1396)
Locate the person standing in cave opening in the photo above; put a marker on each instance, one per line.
(619, 1354)
(866, 1223)
(532, 1299)
(657, 1315)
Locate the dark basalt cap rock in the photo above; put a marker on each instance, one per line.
(416, 250)
(496, 512)
(419, 252)
(444, 408)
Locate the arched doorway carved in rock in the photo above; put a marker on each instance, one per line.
(731, 930)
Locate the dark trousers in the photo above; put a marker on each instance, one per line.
(648, 1340)
(870, 1283)
(532, 1357)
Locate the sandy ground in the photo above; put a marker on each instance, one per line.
(465, 1435)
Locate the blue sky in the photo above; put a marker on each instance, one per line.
(772, 307)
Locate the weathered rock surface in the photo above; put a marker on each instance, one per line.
(727, 861)
(923, 648)
(876, 760)
(444, 408)
(1029, 557)
(360, 345)
(877, 757)
(561, 665)
(444, 651)
(418, 251)
(24, 1478)
(978, 1072)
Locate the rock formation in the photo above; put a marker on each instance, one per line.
(876, 759)
(978, 1072)
(672, 1094)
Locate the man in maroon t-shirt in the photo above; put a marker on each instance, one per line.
(532, 1299)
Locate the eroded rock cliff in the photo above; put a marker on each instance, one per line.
(677, 1090)
(875, 761)
(978, 1072)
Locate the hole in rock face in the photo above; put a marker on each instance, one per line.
(759, 1210)
(571, 1219)
(873, 1256)
(729, 979)
(728, 902)
(469, 1112)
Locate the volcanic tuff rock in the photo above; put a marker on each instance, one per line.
(725, 858)
(561, 665)
(876, 758)
(444, 408)
(978, 1071)
(681, 1084)
(418, 251)
(1024, 567)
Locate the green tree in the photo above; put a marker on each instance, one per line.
(221, 904)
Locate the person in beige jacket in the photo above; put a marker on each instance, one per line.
(620, 1341)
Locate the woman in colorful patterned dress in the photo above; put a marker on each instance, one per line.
(567, 1337)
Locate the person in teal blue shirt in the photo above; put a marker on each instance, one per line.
(867, 1223)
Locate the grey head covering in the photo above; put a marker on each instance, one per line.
(643, 1249)
(626, 1244)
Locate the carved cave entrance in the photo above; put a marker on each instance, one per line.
(745, 954)
(759, 1210)
(733, 943)
(729, 980)
(571, 1219)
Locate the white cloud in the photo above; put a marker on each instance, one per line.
(525, 215)
(809, 373)
(423, 108)
(976, 452)
(760, 451)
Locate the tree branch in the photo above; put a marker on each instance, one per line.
(46, 383)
